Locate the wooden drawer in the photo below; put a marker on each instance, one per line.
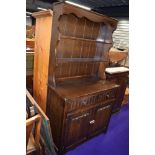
(80, 126)
(92, 99)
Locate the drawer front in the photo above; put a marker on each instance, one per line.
(82, 102)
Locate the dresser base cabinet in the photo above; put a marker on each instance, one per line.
(82, 114)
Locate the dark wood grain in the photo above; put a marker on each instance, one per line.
(122, 80)
(79, 100)
(78, 35)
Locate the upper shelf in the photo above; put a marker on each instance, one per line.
(80, 60)
(85, 39)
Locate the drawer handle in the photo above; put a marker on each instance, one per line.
(80, 117)
(104, 108)
(84, 102)
(107, 96)
(92, 122)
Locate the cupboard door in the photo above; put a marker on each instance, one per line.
(101, 118)
(76, 128)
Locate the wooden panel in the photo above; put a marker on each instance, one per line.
(101, 118)
(71, 106)
(126, 97)
(41, 59)
(78, 56)
(54, 111)
(80, 41)
(122, 80)
(76, 128)
(78, 33)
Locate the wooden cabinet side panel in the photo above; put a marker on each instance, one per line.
(121, 79)
(55, 111)
(41, 59)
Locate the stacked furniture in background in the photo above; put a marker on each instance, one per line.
(39, 138)
(71, 54)
(118, 72)
(118, 75)
(32, 141)
(43, 30)
(29, 64)
(118, 57)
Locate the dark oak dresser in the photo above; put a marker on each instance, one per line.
(79, 110)
(79, 99)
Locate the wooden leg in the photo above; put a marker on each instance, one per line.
(37, 152)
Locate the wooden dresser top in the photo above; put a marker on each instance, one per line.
(72, 89)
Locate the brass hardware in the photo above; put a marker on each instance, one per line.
(103, 108)
(107, 96)
(92, 122)
(84, 102)
(79, 117)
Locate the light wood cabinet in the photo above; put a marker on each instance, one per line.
(43, 32)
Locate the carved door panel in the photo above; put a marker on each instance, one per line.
(101, 119)
(77, 128)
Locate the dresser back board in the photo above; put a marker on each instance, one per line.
(80, 43)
